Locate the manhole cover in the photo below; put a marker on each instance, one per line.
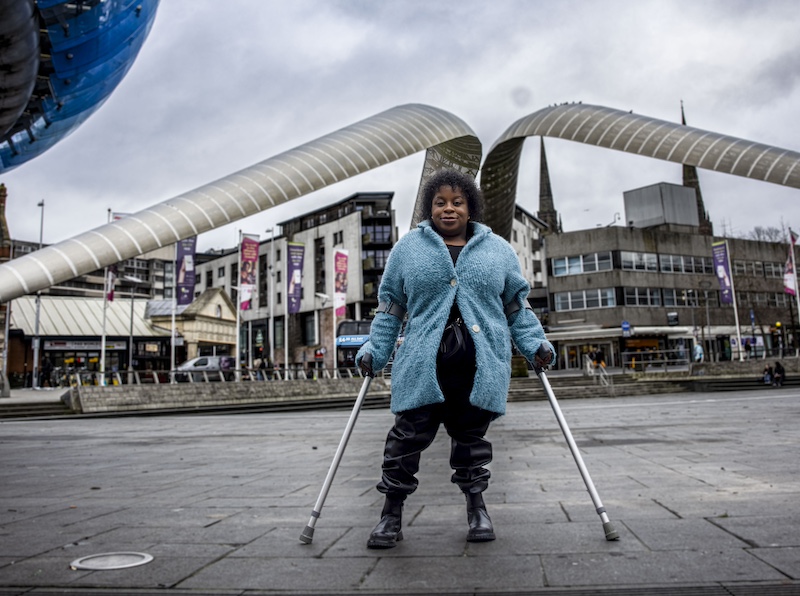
(111, 561)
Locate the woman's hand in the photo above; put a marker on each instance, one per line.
(366, 365)
(543, 357)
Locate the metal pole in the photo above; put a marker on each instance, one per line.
(238, 304)
(334, 351)
(130, 350)
(36, 339)
(307, 536)
(796, 292)
(286, 319)
(174, 308)
(735, 307)
(4, 389)
(105, 308)
(271, 281)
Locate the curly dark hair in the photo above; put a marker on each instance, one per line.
(455, 180)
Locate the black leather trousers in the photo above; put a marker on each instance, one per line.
(414, 430)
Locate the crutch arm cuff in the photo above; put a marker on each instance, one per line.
(391, 308)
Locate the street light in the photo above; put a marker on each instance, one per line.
(135, 281)
(36, 340)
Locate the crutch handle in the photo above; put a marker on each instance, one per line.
(543, 354)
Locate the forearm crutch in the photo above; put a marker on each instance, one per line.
(608, 527)
(308, 534)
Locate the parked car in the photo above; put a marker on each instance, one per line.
(216, 368)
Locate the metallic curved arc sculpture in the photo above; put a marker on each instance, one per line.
(631, 133)
(365, 145)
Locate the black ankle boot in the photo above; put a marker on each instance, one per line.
(480, 526)
(388, 532)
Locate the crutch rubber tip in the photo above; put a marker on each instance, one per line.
(307, 536)
(611, 533)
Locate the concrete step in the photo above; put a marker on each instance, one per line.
(35, 410)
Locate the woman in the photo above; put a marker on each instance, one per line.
(450, 269)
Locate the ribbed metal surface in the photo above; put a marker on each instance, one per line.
(365, 145)
(631, 133)
(19, 59)
(61, 316)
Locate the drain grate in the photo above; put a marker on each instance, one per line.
(106, 561)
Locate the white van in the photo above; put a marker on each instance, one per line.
(216, 368)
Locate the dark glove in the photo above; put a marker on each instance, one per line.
(366, 365)
(543, 357)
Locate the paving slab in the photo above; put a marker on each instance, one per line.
(703, 491)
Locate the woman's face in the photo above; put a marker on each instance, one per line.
(450, 213)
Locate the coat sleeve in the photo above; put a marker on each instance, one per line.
(526, 329)
(385, 327)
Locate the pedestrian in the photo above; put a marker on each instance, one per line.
(767, 375)
(779, 375)
(698, 353)
(600, 358)
(464, 296)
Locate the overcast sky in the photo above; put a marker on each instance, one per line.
(219, 86)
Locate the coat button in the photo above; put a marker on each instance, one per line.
(476, 328)
(453, 282)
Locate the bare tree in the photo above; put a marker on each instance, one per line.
(767, 234)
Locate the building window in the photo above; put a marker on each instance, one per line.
(582, 264)
(583, 299)
(338, 238)
(773, 270)
(375, 259)
(639, 261)
(309, 328)
(642, 297)
(777, 299)
(279, 334)
(751, 268)
(376, 234)
(221, 272)
(319, 265)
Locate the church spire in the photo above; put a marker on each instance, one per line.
(547, 211)
(691, 180)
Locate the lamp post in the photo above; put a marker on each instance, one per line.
(705, 284)
(36, 339)
(135, 281)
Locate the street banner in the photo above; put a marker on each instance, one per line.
(184, 264)
(789, 277)
(789, 274)
(248, 263)
(340, 281)
(111, 281)
(719, 250)
(294, 275)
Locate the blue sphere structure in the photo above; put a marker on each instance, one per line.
(60, 60)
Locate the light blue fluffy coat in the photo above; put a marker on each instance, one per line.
(420, 276)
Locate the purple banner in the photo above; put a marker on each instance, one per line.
(248, 260)
(340, 282)
(294, 279)
(184, 261)
(719, 250)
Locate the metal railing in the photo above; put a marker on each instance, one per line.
(243, 375)
(654, 361)
(599, 373)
